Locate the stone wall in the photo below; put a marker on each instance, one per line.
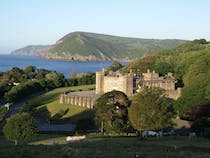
(84, 99)
(130, 83)
(174, 94)
(114, 81)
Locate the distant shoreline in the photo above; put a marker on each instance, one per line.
(8, 61)
(61, 59)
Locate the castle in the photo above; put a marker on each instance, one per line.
(114, 81)
(129, 83)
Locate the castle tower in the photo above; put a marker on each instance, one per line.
(100, 82)
(128, 84)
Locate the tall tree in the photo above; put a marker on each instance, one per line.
(150, 110)
(111, 111)
(20, 128)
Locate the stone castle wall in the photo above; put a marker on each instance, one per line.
(174, 94)
(129, 83)
(115, 81)
(111, 83)
(84, 98)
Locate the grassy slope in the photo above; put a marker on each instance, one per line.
(108, 47)
(104, 147)
(48, 104)
(29, 50)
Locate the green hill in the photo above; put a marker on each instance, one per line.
(190, 64)
(31, 50)
(90, 46)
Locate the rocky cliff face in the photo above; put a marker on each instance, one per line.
(29, 50)
(84, 46)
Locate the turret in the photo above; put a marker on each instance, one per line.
(100, 82)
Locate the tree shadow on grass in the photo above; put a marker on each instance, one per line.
(87, 114)
(59, 114)
(44, 113)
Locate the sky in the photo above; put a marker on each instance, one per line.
(32, 22)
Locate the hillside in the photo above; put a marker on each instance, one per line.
(31, 50)
(90, 46)
(190, 64)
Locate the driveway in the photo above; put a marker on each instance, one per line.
(43, 125)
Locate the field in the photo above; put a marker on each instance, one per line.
(47, 105)
(109, 147)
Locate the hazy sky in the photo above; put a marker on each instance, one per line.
(26, 22)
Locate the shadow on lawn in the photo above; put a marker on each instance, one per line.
(44, 113)
(87, 114)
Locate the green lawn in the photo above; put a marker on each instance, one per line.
(53, 95)
(71, 113)
(109, 147)
(48, 106)
(46, 139)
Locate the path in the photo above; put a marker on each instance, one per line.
(43, 125)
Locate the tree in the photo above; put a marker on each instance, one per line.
(3, 88)
(162, 67)
(200, 41)
(56, 78)
(3, 111)
(150, 110)
(196, 85)
(200, 124)
(115, 66)
(30, 71)
(111, 110)
(15, 74)
(22, 90)
(199, 111)
(20, 128)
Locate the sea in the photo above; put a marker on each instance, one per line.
(65, 67)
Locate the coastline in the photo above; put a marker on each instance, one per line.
(8, 61)
(80, 59)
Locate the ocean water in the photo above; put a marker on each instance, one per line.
(65, 67)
